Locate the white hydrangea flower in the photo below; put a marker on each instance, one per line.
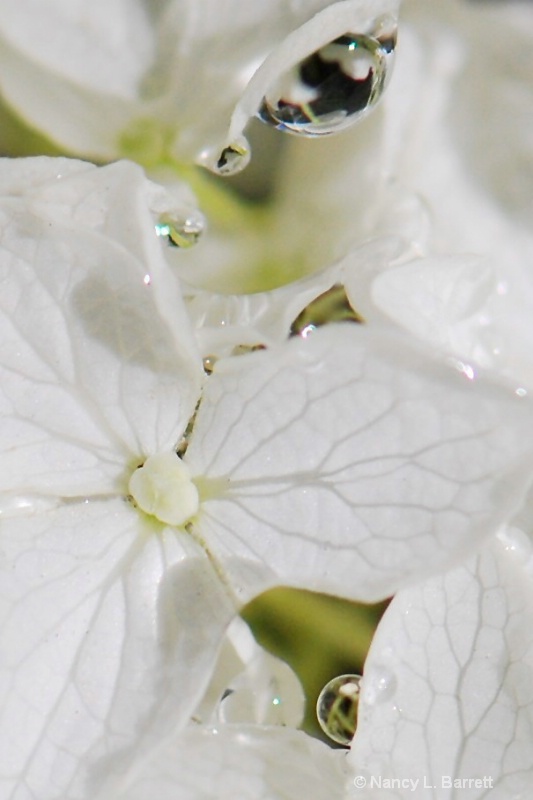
(349, 462)
(446, 708)
(156, 77)
(466, 70)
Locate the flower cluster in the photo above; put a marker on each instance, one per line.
(315, 377)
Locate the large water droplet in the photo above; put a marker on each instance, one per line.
(181, 232)
(336, 708)
(333, 87)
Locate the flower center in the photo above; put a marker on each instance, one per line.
(163, 488)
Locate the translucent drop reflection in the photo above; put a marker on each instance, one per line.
(333, 87)
(332, 305)
(336, 708)
(256, 698)
(181, 232)
(229, 160)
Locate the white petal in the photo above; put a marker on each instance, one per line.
(106, 45)
(346, 16)
(447, 688)
(444, 300)
(352, 463)
(235, 762)
(208, 51)
(104, 616)
(98, 366)
(76, 73)
(73, 70)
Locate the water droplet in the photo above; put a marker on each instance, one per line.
(209, 364)
(516, 541)
(183, 231)
(333, 87)
(336, 708)
(228, 160)
(380, 685)
(330, 306)
(276, 702)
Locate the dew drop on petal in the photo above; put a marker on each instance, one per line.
(336, 708)
(380, 685)
(332, 305)
(209, 364)
(183, 232)
(333, 87)
(278, 702)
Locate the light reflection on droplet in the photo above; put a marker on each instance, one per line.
(305, 332)
(521, 392)
(337, 706)
(181, 232)
(333, 87)
(209, 364)
(465, 369)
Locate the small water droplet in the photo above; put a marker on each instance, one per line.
(229, 160)
(181, 232)
(330, 306)
(335, 86)
(209, 364)
(380, 685)
(336, 708)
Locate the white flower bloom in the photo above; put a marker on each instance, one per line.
(446, 708)
(100, 617)
(182, 88)
(466, 70)
(348, 462)
(157, 77)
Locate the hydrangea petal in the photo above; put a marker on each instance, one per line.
(236, 761)
(98, 364)
(447, 688)
(351, 462)
(104, 615)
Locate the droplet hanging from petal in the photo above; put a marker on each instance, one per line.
(333, 87)
(230, 159)
(337, 706)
